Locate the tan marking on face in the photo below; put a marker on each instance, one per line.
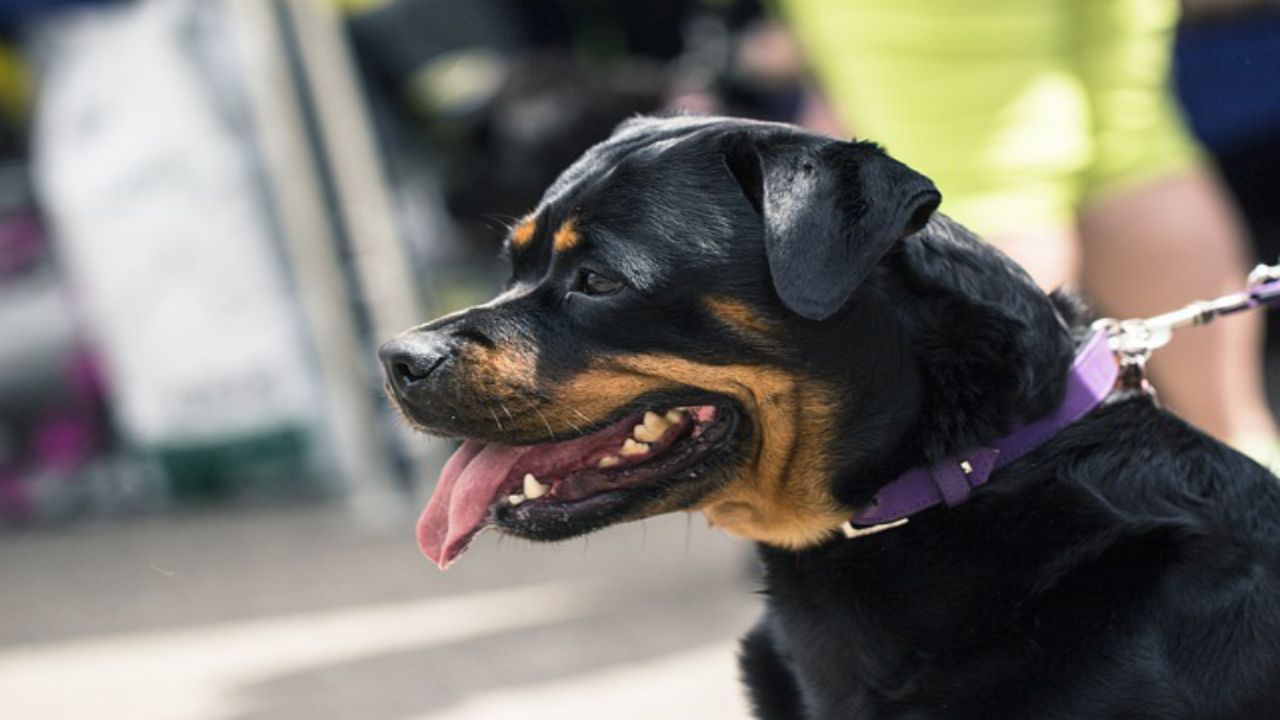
(780, 495)
(567, 236)
(739, 316)
(500, 390)
(522, 234)
(505, 365)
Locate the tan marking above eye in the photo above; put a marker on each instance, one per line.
(522, 234)
(567, 237)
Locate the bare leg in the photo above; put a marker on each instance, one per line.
(1050, 255)
(1158, 246)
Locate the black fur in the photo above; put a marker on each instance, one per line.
(1127, 568)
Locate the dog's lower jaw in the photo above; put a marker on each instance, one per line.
(790, 528)
(782, 497)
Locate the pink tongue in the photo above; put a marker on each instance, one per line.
(462, 497)
(470, 482)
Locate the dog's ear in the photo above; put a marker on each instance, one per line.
(830, 210)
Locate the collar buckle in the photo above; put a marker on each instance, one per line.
(856, 532)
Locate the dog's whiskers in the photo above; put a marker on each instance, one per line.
(570, 423)
(688, 532)
(551, 434)
(548, 399)
(575, 411)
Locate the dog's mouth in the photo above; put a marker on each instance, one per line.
(559, 489)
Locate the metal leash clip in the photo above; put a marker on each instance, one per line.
(1134, 340)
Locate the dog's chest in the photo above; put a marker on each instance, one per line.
(842, 667)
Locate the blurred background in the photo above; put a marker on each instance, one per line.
(212, 211)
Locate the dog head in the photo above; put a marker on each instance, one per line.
(699, 316)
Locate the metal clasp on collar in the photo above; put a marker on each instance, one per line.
(1133, 341)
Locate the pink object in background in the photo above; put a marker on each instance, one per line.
(21, 243)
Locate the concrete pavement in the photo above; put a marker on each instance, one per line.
(301, 613)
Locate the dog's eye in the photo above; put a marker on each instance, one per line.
(595, 284)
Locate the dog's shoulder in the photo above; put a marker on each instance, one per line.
(1175, 552)
(1142, 462)
(1128, 551)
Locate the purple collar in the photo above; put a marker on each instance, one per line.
(1092, 377)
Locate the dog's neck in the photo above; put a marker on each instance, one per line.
(1091, 379)
(979, 348)
(965, 347)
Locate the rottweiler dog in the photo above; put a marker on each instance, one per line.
(766, 326)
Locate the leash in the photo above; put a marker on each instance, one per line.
(1113, 358)
(1133, 341)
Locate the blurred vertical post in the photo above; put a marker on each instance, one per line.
(300, 144)
(382, 267)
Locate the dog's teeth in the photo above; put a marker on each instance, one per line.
(608, 461)
(644, 433)
(532, 488)
(674, 416)
(515, 499)
(631, 447)
(652, 429)
(656, 422)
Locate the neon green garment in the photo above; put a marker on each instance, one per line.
(1020, 110)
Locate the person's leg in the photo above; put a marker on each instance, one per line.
(1156, 247)
(1051, 255)
(1156, 227)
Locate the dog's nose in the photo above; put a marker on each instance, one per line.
(409, 361)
